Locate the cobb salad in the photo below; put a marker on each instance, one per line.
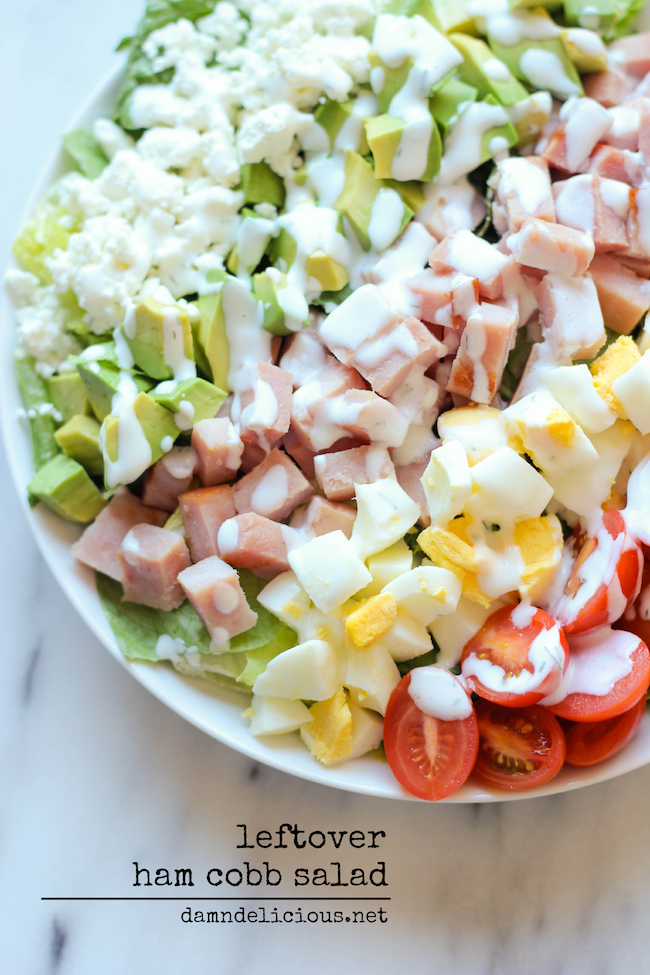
(335, 340)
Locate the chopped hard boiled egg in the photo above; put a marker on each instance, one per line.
(368, 623)
(425, 593)
(632, 391)
(407, 638)
(480, 430)
(620, 356)
(507, 489)
(387, 565)
(540, 427)
(573, 388)
(329, 569)
(447, 482)
(329, 733)
(384, 513)
(371, 677)
(309, 672)
(276, 715)
(540, 542)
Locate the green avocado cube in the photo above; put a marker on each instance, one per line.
(212, 348)
(542, 63)
(157, 425)
(447, 100)
(190, 400)
(585, 49)
(386, 81)
(360, 191)
(101, 382)
(64, 486)
(486, 73)
(332, 116)
(267, 287)
(155, 334)
(283, 250)
(444, 15)
(253, 237)
(260, 184)
(410, 190)
(331, 275)
(608, 17)
(385, 134)
(529, 116)
(79, 439)
(68, 394)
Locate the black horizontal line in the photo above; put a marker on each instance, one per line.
(233, 898)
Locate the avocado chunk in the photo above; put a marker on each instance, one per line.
(609, 17)
(283, 250)
(411, 191)
(268, 287)
(358, 197)
(482, 131)
(260, 184)
(585, 49)
(160, 340)
(64, 486)
(386, 81)
(136, 439)
(68, 394)
(529, 116)
(190, 400)
(339, 118)
(253, 238)
(541, 62)
(211, 341)
(445, 104)
(331, 275)
(444, 15)
(486, 73)
(79, 439)
(101, 382)
(389, 137)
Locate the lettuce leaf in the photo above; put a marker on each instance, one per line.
(33, 392)
(515, 365)
(40, 237)
(256, 660)
(267, 627)
(86, 151)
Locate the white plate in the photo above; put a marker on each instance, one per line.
(217, 710)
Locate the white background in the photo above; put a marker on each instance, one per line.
(97, 774)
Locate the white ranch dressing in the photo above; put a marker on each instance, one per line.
(544, 69)
(463, 145)
(437, 693)
(271, 491)
(530, 184)
(597, 662)
(385, 218)
(174, 345)
(228, 536)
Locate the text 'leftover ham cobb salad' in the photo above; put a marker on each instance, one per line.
(353, 428)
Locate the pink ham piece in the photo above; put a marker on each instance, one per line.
(483, 352)
(218, 449)
(337, 473)
(151, 559)
(204, 511)
(617, 164)
(99, 543)
(387, 359)
(624, 297)
(253, 542)
(299, 452)
(610, 88)
(273, 489)
(522, 187)
(597, 206)
(304, 357)
(266, 407)
(572, 322)
(213, 588)
(452, 208)
(584, 124)
(408, 477)
(552, 247)
(311, 403)
(639, 222)
(644, 136)
(624, 133)
(321, 517)
(367, 417)
(473, 256)
(632, 54)
(639, 265)
(446, 299)
(169, 477)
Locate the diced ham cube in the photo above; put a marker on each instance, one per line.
(253, 542)
(552, 247)
(452, 208)
(623, 296)
(632, 54)
(446, 299)
(597, 206)
(169, 477)
(617, 164)
(473, 256)
(367, 417)
(483, 352)
(310, 404)
(213, 588)
(204, 510)
(523, 188)
(639, 265)
(304, 356)
(218, 449)
(644, 137)
(273, 489)
(266, 407)
(99, 543)
(337, 473)
(584, 124)
(639, 222)
(572, 322)
(151, 559)
(624, 133)
(610, 88)
(408, 478)
(387, 359)
(299, 452)
(322, 517)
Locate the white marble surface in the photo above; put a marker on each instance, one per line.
(97, 774)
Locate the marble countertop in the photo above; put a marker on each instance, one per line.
(97, 774)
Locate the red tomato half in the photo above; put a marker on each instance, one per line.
(504, 645)
(431, 758)
(519, 748)
(592, 656)
(636, 618)
(606, 577)
(591, 742)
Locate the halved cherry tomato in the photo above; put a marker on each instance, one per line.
(606, 577)
(593, 656)
(496, 662)
(636, 618)
(591, 742)
(519, 748)
(431, 758)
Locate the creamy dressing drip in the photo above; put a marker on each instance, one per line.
(597, 662)
(439, 694)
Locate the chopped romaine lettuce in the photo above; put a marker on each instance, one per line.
(41, 236)
(84, 148)
(34, 396)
